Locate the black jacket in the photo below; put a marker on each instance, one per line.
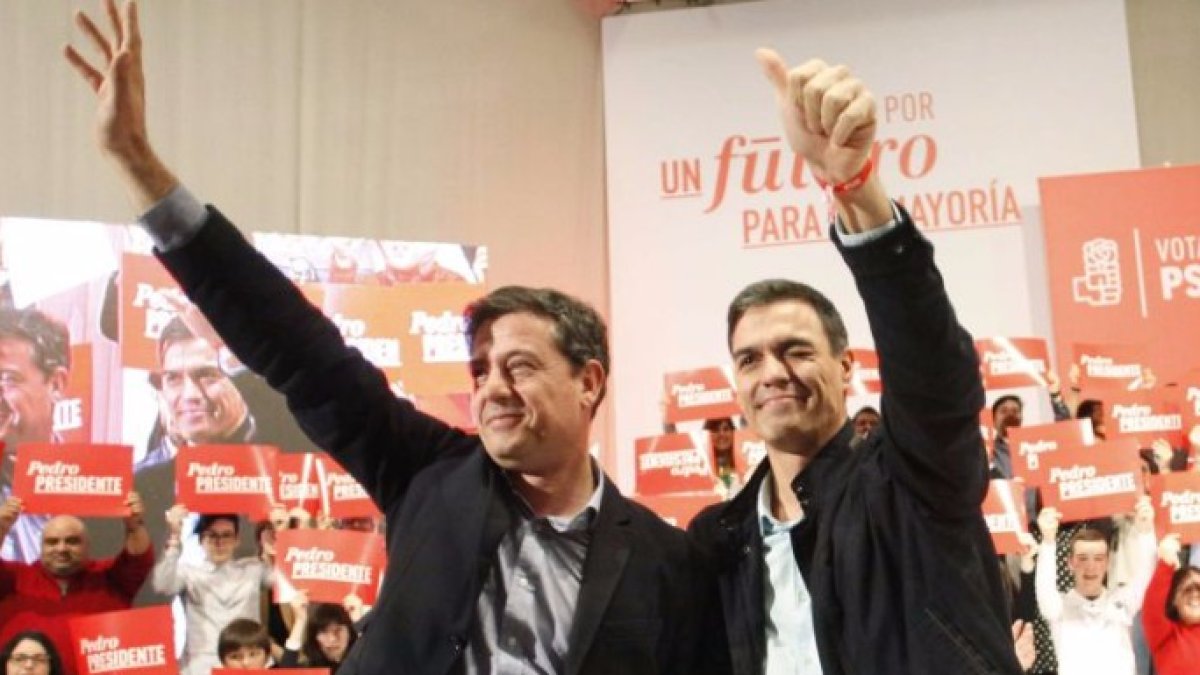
(893, 549)
(446, 503)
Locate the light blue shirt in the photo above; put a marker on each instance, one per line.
(791, 638)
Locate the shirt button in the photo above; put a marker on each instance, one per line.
(457, 643)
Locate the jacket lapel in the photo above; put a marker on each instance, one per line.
(608, 552)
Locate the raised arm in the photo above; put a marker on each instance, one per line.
(1049, 601)
(168, 578)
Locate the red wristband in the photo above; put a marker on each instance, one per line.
(855, 182)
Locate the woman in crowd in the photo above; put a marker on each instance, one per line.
(31, 652)
(244, 645)
(322, 635)
(1171, 612)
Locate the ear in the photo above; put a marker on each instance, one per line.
(846, 361)
(591, 383)
(57, 382)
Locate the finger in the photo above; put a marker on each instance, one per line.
(774, 68)
(856, 120)
(85, 70)
(816, 83)
(110, 8)
(85, 24)
(133, 28)
(838, 98)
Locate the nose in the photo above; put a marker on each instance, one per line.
(775, 370)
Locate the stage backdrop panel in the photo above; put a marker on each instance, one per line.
(976, 100)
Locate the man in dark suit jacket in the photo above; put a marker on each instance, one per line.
(507, 552)
(863, 558)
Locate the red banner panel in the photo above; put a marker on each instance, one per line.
(701, 394)
(1145, 416)
(1004, 511)
(865, 379)
(298, 482)
(1102, 480)
(135, 641)
(226, 478)
(341, 495)
(79, 479)
(330, 564)
(1008, 363)
(73, 411)
(671, 464)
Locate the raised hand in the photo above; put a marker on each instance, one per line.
(1047, 521)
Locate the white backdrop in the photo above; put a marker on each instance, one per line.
(977, 99)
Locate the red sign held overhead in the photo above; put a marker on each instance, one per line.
(701, 394)
(298, 482)
(131, 642)
(1176, 498)
(79, 479)
(226, 478)
(1029, 445)
(1108, 367)
(329, 564)
(1008, 363)
(1145, 416)
(1101, 480)
(341, 495)
(1004, 512)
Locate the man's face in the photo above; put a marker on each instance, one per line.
(246, 658)
(532, 408)
(1187, 599)
(791, 386)
(864, 423)
(64, 546)
(27, 395)
(1007, 415)
(1089, 564)
(219, 541)
(203, 404)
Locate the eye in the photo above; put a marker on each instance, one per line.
(520, 368)
(745, 360)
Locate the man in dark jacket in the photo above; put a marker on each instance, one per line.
(873, 559)
(508, 552)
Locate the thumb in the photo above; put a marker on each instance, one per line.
(774, 68)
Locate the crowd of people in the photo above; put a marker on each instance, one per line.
(854, 547)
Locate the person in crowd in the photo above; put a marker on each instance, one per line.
(66, 582)
(1090, 623)
(865, 422)
(244, 645)
(528, 496)
(321, 636)
(35, 364)
(721, 438)
(868, 560)
(1008, 412)
(31, 653)
(1171, 611)
(214, 593)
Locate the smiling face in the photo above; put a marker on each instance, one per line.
(64, 546)
(791, 385)
(203, 403)
(1089, 563)
(533, 408)
(1187, 598)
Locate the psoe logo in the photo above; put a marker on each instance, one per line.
(1100, 283)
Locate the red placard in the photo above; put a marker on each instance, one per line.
(1004, 511)
(701, 394)
(1102, 480)
(748, 451)
(297, 482)
(145, 311)
(1007, 363)
(329, 564)
(865, 379)
(134, 642)
(1027, 445)
(1177, 504)
(342, 496)
(677, 510)
(80, 479)
(1145, 416)
(1107, 367)
(73, 411)
(226, 478)
(671, 464)
(290, 671)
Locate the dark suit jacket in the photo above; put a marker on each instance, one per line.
(893, 548)
(446, 502)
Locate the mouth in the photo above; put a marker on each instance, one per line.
(502, 418)
(781, 399)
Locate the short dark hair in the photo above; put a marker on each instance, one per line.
(771, 291)
(1177, 580)
(1087, 408)
(242, 633)
(209, 519)
(579, 331)
(1087, 534)
(866, 409)
(48, 336)
(321, 616)
(713, 424)
(1005, 399)
(175, 331)
(56, 663)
